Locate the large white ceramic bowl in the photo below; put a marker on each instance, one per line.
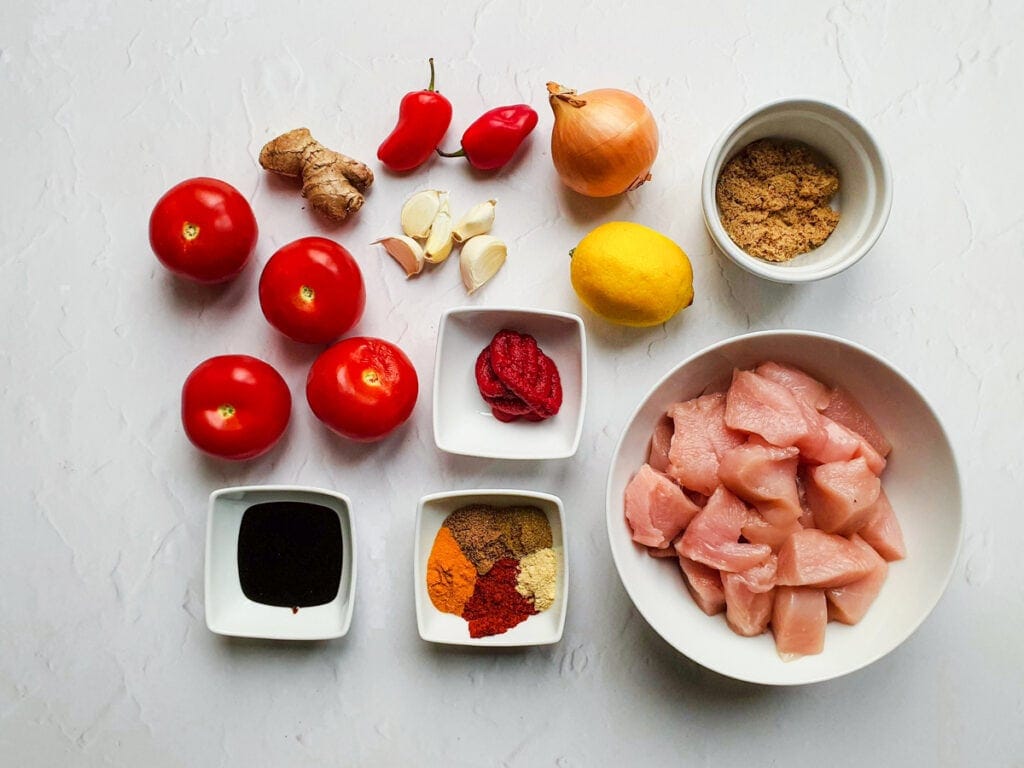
(920, 479)
(865, 185)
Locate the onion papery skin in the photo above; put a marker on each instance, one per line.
(604, 142)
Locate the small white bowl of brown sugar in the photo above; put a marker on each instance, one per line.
(796, 190)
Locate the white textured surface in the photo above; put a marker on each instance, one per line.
(105, 659)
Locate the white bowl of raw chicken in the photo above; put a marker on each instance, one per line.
(920, 479)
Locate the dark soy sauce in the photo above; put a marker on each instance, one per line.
(289, 554)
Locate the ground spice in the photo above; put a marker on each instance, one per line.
(538, 575)
(496, 606)
(487, 534)
(450, 576)
(773, 199)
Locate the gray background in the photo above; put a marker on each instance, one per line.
(105, 656)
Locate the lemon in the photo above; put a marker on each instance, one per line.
(629, 274)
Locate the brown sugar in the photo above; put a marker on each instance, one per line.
(773, 199)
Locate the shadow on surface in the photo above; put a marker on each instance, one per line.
(580, 209)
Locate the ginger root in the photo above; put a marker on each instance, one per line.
(332, 182)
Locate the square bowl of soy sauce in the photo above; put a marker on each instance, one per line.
(280, 563)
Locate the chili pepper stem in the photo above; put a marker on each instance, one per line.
(460, 153)
(431, 62)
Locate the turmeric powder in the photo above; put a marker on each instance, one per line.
(451, 577)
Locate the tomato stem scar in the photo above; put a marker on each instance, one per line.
(307, 294)
(371, 377)
(190, 231)
(226, 411)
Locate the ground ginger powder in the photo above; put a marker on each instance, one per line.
(538, 577)
(451, 578)
(773, 199)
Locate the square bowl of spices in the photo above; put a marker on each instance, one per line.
(510, 383)
(280, 563)
(795, 191)
(490, 568)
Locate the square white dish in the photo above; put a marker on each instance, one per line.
(543, 628)
(463, 422)
(230, 612)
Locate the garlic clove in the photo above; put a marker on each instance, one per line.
(482, 256)
(406, 251)
(420, 210)
(478, 220)
(439, 241)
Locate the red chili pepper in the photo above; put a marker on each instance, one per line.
(495, 136)
(423, 118)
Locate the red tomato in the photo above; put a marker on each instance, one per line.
(235, 406)
(362, 388)
(311, 290)
(203, 229)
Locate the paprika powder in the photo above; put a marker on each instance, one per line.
(495, 606)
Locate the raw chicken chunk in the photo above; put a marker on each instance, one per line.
(850, 602)
(698, 442)
(712, 537)
(760, 531)
(813, 558)
(657, 456)
(841, 494)
(882, 530)
(844, 408)
(760, 578)
(669, 551)
(800, 383)
(764, 476)
(759, 405)
(704, 584)
(657, 510)
(799, 616)
(746, 611)
(840, 444)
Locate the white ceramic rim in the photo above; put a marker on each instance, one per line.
(435, 396)
(809, 334)
(766, 269)
(346, 618)
(494, 641)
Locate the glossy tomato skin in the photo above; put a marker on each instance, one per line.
(312, 291)
(362, 388)
(235, 406)
(203, 229)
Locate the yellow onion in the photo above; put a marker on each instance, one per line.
(604, 142)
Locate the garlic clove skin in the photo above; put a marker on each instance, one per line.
(439, 242)
(420, 210)
(482, 256)
(406, 251)
(478, 220)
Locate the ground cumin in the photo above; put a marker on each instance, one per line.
(487, 534)
(773, 199)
